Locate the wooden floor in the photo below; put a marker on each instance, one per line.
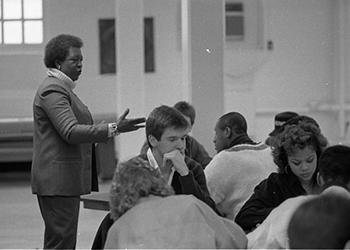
(21, 225)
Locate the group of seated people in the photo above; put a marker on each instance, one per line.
(291, 191)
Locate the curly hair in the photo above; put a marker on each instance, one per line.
(297, 136)
(133, 180)
(57, 49)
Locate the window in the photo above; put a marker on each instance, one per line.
(21, 22)
(107, 40)
(107, 46)
(149, 44)
(234, 21)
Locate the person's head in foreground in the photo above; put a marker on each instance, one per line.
(133, 180)
(298, 148)
(324, 222)
(321, 223)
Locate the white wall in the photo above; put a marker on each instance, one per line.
(80, 17)
(165, 85)
(299, 72)
(22, 72)
(19, 77)
(300, 69)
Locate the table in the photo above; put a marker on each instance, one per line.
(96, 201)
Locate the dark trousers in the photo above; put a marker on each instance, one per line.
(60, 214)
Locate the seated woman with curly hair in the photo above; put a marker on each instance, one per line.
(146, 214)
(296, 152)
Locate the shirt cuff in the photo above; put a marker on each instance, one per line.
(112, 129)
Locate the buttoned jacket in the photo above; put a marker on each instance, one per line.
(64, 133)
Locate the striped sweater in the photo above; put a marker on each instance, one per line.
(233, 173)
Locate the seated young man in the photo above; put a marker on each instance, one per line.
(166, 131)
(239, 165)
(194, 149)
(334, 178)
(148, 215)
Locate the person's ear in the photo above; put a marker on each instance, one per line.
(152, 140)
(58, 65)
(227, 132)
(320, 180)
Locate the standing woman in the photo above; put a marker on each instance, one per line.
(63, 166)
(296, 153)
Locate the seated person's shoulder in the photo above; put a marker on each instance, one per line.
(192, 141)
(281, 179)
(193, 165)
(273, 180)
(222, 163)
(142, 156)
(277, 178)
(188, 200)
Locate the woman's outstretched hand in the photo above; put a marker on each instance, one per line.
(127, 125)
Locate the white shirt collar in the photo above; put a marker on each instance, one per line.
(152, 161)
(53, 72)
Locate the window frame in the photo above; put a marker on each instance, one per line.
(235, 38)
(22, 48)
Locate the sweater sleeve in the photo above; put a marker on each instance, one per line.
(195, 183)
(56, 103)
(259, 205)
(216, 176)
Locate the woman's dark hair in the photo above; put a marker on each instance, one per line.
(297, 136)
(334, 165)
(57, 49)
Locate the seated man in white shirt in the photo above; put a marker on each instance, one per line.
(334, 177)
(239, 165)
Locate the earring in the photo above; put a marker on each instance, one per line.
(59, 67)
(286, 169)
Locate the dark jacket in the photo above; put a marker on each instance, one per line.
(270, 193)
(194, 150)
(63, 154)
(194, 183)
